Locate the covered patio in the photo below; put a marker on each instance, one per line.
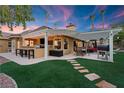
(96, 35)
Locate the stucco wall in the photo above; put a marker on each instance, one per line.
(70, 45)
(3, 45)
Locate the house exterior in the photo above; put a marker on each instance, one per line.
(45, 41)
(56, 43)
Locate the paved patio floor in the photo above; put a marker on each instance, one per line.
(25, 61)
(3, 60)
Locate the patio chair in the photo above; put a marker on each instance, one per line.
(24, 53)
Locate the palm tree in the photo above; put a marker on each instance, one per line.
(102, 12)
(11, 15)
(56, 24)
(92, 17)
(46, 18)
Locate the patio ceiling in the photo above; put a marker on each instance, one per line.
(78, 35)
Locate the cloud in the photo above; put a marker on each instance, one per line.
(67, 12)
(49, 10)
(53, 20)
(17, 29)
(62, 27)
(86, 17)
(100, 26)
(120, 14)
(55, 14)
(96, 9)
(58, 13)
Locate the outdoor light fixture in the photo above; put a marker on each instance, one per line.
(118, 37)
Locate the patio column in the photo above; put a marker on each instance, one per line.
(13, 46)
(46, 45)
(23, 41)
(111, 46)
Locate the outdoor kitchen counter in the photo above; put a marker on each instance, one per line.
(38, 52)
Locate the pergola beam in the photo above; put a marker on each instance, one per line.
(74, 34)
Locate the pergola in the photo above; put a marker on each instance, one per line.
(96, 35)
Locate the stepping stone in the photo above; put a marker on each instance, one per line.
(81, 67)
(76, 64)
(105, 84)
(92, 76)
(73, 62)
(84, 71)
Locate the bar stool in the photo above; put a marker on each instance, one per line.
(30, 53)
(17, 51)
(24, 53)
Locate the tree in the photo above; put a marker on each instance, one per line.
(1, 34)
(47, 15)
(102, 12)
(92, 17)
(56, 24)
(13, 16)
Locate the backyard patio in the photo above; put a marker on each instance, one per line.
(63, 73)
(40, 48)
(25, 61)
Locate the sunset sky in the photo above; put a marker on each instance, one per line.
(78, 15)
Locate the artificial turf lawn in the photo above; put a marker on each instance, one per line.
(111, 72)
(61, 74)
(46, 74)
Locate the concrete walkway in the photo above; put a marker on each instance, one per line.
(3, 60)
(6, 81)
(26, 61)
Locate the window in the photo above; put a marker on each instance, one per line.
(50, 42)
(29, 43)
(42, 40)
(65, 44)
(26, 42)
(57, 44)
(9, 43)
